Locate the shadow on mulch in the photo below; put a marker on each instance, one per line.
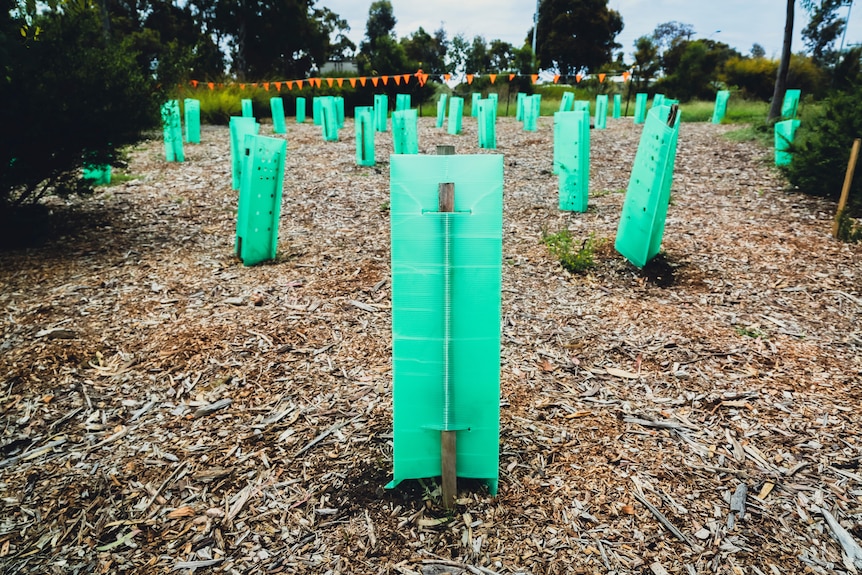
(660, 271)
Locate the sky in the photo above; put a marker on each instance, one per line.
(739, 23)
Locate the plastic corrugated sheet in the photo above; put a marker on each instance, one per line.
(405, 139)
(640, 108)
(260, 198)
(192, 113)
(329, 118)
(276, 105)
(402, 102)
(601, 111)
(441, 110)
(364, 120)
(519, 106)
(381, 112)
(785, 132)
(790, 104)
(641, 226)
(572, 159)
(172, 131)
(721, 98)
(240, 127)
(456, 113)
(567, 102)
(474, 104)
(532, 110)
(431, 299)
(300, 110)
(316, 111)
(247, 108)
(618, 107)
(487, 124)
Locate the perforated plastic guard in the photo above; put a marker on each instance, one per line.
(260, 198)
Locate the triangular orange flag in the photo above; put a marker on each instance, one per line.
(422, 79)
(534, 77)
(397, 80)
(289, 85)
(210, 85)
(277, 86)
(340, 82)
(602, 78)
(319, 82)
(469, 78)
(299, 84)
(626, 75)
(405, 78)
(242, 86)
(578, 78)
(352, 82)
(195, 83)
(329, 81)
(447, 77)
(556, 78)
(266, 86)
(511, 77)
(362, 81)
(493, 77)
(374, 80)
(385, 79)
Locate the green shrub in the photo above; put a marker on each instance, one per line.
(70, 96)
(574, 259)
(822, 148)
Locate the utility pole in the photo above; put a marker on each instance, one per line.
(535, 26)
(846, 25)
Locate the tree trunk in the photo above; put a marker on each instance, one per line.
(783, 67)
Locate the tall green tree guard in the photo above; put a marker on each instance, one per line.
(576, 35)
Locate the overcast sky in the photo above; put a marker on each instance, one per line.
(739, 23)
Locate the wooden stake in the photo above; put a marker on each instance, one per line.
(448, 450)
(845, 191)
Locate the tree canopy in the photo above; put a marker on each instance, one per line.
(576, 35)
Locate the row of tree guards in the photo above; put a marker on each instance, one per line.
(446, 218)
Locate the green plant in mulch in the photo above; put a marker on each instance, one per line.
(575, 257)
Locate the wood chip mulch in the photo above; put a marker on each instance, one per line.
(165, 409)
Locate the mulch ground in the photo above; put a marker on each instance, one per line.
(166, 409)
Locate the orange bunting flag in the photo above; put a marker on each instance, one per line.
(578, 78)
(266, 86)
(374, 80)
(534, 77)
(397, 80)
(405, 78)
(329, 82)
(422, 79)
(340, 82)
(493, 77)
(362, 81)
(352, 82)
(556, 78)
(626, 75)
(602, 78)
(319, 82)
(254, 85)
(299, 84)
(469, 78)
(278, 86)
(242, 86)
(210, 85)
(385, 79)
(447, 77)
(511, 77)
(195, 83)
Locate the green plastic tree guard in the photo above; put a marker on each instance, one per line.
(97, 175)
(644, 212)
(658, 100)
(790, 104)
(446, 287)
(402, 102)
(276, 105)
(721, 98)
(364, 120)
(381, 112)
(192, 113)
(640, 108)
(581, 106)
(567, 102)
(618, 106)
(240, 127)
(173, 131)
(329, 118)
(441, 110)
(260, 198)
(247, 108)
(487, 124)
(339, 111)
(300, 110)
(601, 111)
(316, 113)
(532, 109)
(572, 159)
(784, 133)
(474, 104)
(404, 132)
(496, 98)
(519, 107)
(456, 112)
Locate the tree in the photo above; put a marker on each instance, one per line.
(757, 51)
(478, 59)
(824, 28)
(647, 63)
(691, 67)
(576, 35)
(71, 95)
(671, 33)
(502, 55)
(783, 66)
(428, 52)
(456, 57)
(380, 53)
